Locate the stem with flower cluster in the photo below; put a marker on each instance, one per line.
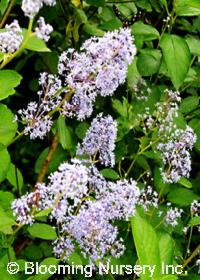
(10, 57)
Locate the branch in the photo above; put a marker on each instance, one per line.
(48, 159)
(193, 255)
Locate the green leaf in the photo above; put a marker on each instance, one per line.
(75, 259)
(169, 277)
(148, 62)
(3, 6)
(195, 124)
(182, 196)
(5, 200)
(64, 133)
(127, 8)
(166, 247)
(96, 3)
(145, 5)
(33, 252)
(147, 245)
(194, 45)
(8, 127)
(42, 231)
(133, 76)
(189, 104)
(195, 221)
(6, 276)
(81, 129)
(163, 2)
(121, 108)
(93, 30)
(109, 174)
(112, 24)
(1, 56)
(176, 50)
(144, 32)
(142, 162)
(9, 79)
(6, 223)
(81, 16)
(156, 5)
(47, 263)
(4, 164)
(185, 182)
(35, 44)
(43, 213)
(187, 7)
(15, 177)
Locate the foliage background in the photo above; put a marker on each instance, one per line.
(168, 53)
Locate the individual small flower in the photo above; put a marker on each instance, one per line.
(176, 156)
(98, 69)
(11, 38)
(100, 140)
(43, 30)
(32, 7)
(185, 230)
(172, 216)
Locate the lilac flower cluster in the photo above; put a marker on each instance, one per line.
(43, 30)
(195, 210)
(100, 139)
(119, 199)
(164, 115)
(175, 143)
(91, 228)
(176, 156)
(98, 70)
(66, 189)
(148, 198)
(172, 216)
(92, 231)
(11, 38)
(141, 90)
(24, 208)
(82, 219)
(36, 116)
(32, 7)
